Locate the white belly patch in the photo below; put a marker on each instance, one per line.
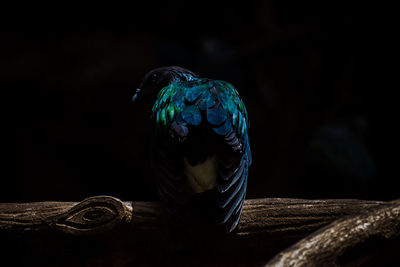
(203, 176)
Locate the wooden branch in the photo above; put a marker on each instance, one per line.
(101, 213)
(91, 216)
(140, 230)
(326, 246)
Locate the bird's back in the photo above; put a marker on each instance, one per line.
(202, 152)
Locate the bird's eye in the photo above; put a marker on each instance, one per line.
(154, 77)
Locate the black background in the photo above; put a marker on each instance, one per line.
(68, 73)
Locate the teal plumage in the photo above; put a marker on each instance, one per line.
(222, 105)
(200, 126)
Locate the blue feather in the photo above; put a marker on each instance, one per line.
(191, 115)
(235, 205)
(193, 94)
(224, 129)
(217, 115)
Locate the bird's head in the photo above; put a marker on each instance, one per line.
(158, 78)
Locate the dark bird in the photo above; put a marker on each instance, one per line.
(201, 153)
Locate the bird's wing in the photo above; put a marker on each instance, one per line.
(231, 121)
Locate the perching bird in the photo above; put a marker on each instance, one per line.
(201, 147)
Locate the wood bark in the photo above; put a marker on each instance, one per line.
(327, 246)
(138, 232)
(91, 216)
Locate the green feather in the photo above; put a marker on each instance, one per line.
(234, 116)
(240, 122)
(171, 111)
(163, 116)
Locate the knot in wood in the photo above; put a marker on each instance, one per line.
(93, 215)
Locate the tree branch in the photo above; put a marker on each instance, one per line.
(94, 214)
(91, 216)
(326, 246)
(137, 231)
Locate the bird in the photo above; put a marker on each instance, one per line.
(201, 151)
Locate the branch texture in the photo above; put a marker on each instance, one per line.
(327, 245)
(138, 232)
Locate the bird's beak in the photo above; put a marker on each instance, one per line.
(136, 95)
